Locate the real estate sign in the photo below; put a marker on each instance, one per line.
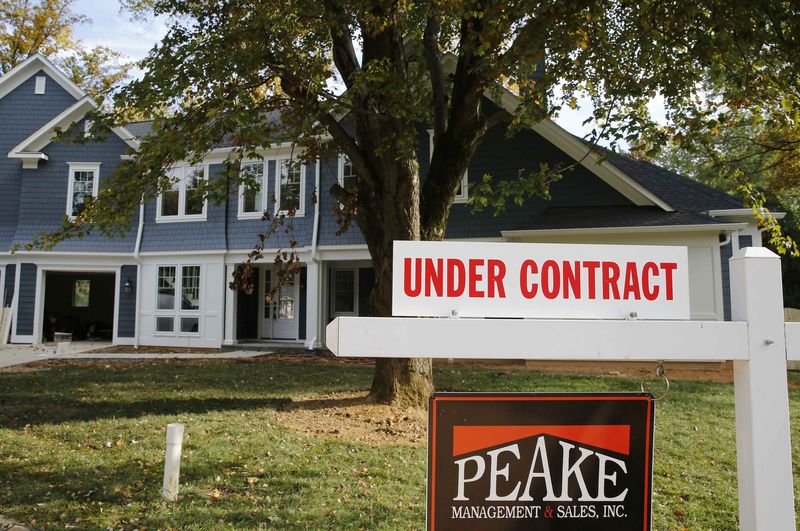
(476, 279)
(540, 461)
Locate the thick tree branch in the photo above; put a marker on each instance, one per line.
(434, 58)
(344, 55)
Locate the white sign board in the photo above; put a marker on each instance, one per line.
(467, 279)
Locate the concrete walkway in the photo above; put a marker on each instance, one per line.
(11, 355)
(21, 354)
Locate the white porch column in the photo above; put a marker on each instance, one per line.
(230, 308)
(313, 304)
(763, 447)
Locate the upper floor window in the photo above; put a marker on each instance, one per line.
(348, 178)
(291, 186)
(185, 200)
(252, 199)
(461, 193)
(84, 180)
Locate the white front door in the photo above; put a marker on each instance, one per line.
(285, 310)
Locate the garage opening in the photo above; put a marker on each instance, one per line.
(81, 304)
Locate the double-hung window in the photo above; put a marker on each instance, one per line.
(185, 200)
(178, 299)
(252, 190)
(345, 292)
(348, 178)
(461, 194)
(291, 187)
(84, 181)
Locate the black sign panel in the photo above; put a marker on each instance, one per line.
(563, 462)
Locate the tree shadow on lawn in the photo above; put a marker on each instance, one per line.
(45, 411)
(80, 393)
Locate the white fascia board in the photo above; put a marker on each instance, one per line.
(708, 227)
(45, 134)
(588, 158)
(740, 213)
(30, 66)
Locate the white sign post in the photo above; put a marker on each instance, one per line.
(756, 341)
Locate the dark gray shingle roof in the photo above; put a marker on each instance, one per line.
(613, 216)
(682, 193)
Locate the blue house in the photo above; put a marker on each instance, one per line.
(165, 283)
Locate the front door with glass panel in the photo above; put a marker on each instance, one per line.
(281, 317)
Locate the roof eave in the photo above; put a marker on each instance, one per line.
(700, 227)
(24, 70)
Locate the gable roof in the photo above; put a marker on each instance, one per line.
(682, 192)
(32, 65)
(29, 150)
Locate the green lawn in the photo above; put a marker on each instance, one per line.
(83, 447)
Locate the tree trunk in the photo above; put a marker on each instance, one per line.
(400, 381)
(383, 218)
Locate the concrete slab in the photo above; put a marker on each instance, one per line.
(11, 355)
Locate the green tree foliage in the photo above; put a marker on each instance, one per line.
(46, 27)
(363, 77)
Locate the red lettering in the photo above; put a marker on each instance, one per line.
(433, 276)
(412, 291)
(591, 267)
(610, 278)
(475, 277)
(668, 268)
(529, 290)
(455, 266)
(572, 278)
(497, 271)
(550, 287)
(649, 269)
(631, 282)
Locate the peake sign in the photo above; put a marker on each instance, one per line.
(466, 279)
(556, 462)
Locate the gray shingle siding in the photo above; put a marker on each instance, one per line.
(27, 299)
(329, 175)
(126, 322)
(21, 113)
(725, 253)
(43, 194)
(11, 271)
(243, 234)
(505, 158)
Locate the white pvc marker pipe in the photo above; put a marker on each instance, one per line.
(172, 463)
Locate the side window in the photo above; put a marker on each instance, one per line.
(348, 178)
(291, 186)
(252, 200)
(83, 184)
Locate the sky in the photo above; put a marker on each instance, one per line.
(134, 38)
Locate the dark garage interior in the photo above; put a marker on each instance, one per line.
(79, 303)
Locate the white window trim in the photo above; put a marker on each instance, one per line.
(354, 271)
(301, 210)
(463, 196)
(81, 166)
(340, 171)
(264, 187)
(181, 217)
(176, 312)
